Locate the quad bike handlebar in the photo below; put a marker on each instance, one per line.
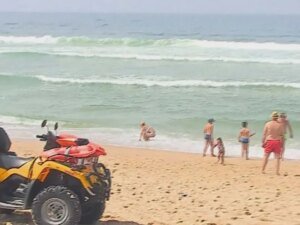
(40, 136)
(45, 137)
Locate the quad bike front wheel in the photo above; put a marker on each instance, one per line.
(56, 205)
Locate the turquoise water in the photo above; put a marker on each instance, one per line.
(100, 75)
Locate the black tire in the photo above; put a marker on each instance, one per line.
(6, 211)
(56, 205)
(92, 213)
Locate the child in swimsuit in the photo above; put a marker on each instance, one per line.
(221, 152)
(244, 138)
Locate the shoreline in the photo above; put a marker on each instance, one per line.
(130, 140)
(136, 148)
(169, 188)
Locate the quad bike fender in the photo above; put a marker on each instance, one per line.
(37, 169)
(2, 171)
(41, 170)
(40, 173)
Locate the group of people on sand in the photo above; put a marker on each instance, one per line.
(243, 137)
(273, 139)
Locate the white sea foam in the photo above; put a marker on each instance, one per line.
(47, 39)
(246, 45)
(151, 49)
(159, 83)
(180, 143)
(115, 136)
(18, 120)
(152, 57)
(18, 127)
(166, 83)
(77, 52)
(205, 44)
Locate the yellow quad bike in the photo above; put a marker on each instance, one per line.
(65, 185)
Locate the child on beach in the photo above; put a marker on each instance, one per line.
(244, 138)
(221, 152)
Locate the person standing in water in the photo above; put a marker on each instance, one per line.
(147, 132)
(287, 127)
(244, 138)
(208, 136)
(272, 141)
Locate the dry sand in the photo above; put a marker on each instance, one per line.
(153, 187)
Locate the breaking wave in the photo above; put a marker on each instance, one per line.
(152, 49)
(131, 42)
(166, 83)
(151, 83)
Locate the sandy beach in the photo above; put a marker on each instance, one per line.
(189, 72)
(152, 187)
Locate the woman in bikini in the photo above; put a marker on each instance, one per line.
(244, 138)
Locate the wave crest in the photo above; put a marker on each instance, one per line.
(166, 83)
(152, 49)
(131, 42)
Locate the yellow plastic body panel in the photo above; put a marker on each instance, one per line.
(40, 170)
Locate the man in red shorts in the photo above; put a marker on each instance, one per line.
(272, 141)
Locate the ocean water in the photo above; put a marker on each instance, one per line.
(100, 75)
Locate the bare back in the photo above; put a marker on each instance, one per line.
(273, 130)
(285, 123)
(208, 128)
(245, 132)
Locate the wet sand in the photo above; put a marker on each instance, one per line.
(152, 187)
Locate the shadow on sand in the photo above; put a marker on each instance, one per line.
(24, 218)
(117, 222)
(17, 218)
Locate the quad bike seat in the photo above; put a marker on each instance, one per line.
(10, 161)
(5, 142)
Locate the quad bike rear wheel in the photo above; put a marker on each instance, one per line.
(56, 205)
(92, 213)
